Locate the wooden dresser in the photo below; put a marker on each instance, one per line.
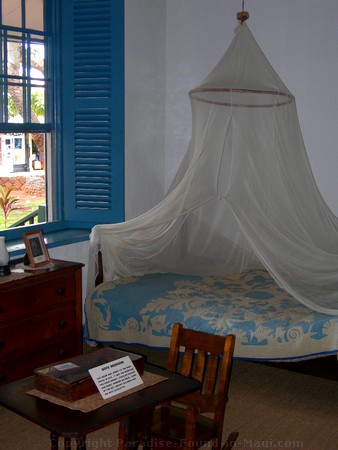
(40, 318)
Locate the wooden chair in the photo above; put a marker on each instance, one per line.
(195, 419)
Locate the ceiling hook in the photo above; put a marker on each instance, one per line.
(242, 16)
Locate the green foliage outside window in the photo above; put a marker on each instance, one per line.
(8, 203)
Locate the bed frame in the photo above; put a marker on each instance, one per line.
(268, 323)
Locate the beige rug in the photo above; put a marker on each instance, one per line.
(277, 409)
(270, 408)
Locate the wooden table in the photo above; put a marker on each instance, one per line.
(67, 423)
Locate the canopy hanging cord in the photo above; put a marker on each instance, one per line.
(242, 16)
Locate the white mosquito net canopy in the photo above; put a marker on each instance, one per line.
(244, 196)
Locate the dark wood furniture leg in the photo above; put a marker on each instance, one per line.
(54, 440)
(81, 443)
(134, 431)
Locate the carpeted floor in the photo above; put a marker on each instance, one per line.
(271, 408)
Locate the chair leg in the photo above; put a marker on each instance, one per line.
(190, 430)
(123, 435)
(230, 442)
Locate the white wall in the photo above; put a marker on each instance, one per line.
(299, 39)
(74, 252)
(145, 32)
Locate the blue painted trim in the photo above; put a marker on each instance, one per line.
(56, 238)
(29, 128)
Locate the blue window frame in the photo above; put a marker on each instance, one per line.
(85, 44)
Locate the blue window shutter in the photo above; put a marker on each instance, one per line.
(92, 122)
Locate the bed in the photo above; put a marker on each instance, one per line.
(269, 324)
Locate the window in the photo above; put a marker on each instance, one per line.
(62, 105)
(25, 108)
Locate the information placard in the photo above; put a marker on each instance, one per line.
(115, 377)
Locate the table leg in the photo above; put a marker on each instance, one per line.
(123, 435)
(81, 443)
(54, 440)
(128, 436)
(135, 431)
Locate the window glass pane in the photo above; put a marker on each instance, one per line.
(37, 51)
(22, 168)
(11, 13)
(14, 56)
(34, 14)
(37, 91)
(13, 77)
(15, 103)
(38, 104)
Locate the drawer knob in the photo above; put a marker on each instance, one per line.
(1, 310)
(63, 324)
(2, 344)
(61, 292)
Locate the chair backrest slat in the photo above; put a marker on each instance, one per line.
(211, 374)
(206, 357)
(187, 363)
(200, 364)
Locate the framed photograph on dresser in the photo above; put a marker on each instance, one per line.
(36, 248)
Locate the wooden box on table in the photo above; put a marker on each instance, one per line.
(75, 383)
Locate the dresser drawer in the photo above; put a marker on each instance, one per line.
(28, 335)
(34, 298)
(16, 368)
(40, 318)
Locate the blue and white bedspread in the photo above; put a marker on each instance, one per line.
(267, 322)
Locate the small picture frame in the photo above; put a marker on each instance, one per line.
(36, 248)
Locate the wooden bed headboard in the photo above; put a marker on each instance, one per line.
(99, 277)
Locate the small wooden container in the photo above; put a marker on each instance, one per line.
(75, 383)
